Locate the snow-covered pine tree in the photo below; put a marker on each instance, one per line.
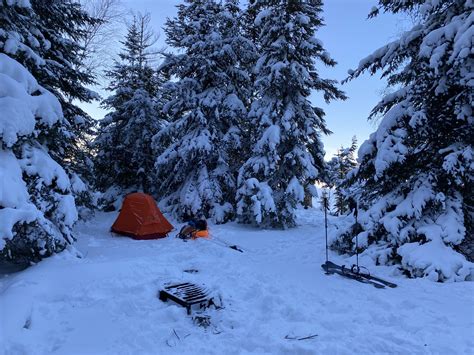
(197, 167)
(124, 161)
(41, 156)
(336, 175)
(37, 209)
(416, 171)
(43, 36)
(342, 164)
(287, 154)
(249, 14)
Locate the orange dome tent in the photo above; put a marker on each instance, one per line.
(140, 218)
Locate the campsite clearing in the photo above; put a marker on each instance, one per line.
(275, 295)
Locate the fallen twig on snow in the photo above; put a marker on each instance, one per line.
(288, 337)
(171, 342)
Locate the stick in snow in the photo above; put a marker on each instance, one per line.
(288, 337)
(174, 331)
(223, 243)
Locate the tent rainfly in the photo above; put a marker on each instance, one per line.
(140, 218)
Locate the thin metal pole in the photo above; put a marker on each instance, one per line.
(357, 238)
(326, 225)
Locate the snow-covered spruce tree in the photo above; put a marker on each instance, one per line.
(37, 38)
(336, 175)
(37, 209)
(340, 166)
(124, 160)
(43, 36)
(197, 167)
(416, 171)
(287, 153)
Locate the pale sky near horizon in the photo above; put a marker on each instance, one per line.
(348, 36)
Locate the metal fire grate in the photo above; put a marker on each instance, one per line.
(187, 294)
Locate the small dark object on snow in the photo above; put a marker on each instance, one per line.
(289, 337)
(186, 295)
(201, 225)
(27, 323)
(191, 271)
(235, 247)
(202, 320)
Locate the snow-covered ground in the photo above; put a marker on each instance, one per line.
(106, 302)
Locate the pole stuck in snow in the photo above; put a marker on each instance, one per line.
(325, 204)
(223, 243)
(356, 212)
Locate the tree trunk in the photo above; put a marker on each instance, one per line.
(308, 198)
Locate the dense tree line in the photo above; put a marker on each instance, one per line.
(221, 126)
(235, 135)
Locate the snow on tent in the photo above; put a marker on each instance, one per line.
(140, 218)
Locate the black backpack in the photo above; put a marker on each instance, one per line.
(201, 225)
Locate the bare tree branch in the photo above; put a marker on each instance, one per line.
(101, 37)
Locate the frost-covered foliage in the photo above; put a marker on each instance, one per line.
(287, 153)
(37, 209)
(416, 174)
(43, 36)
(124, 160)
(200, 150)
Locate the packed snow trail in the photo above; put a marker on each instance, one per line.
(106, 302)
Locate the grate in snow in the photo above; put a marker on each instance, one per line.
(187, 295)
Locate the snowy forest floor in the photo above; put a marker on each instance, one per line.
(106, 302)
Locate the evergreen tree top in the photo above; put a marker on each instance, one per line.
(431, 68)
(134, 70)
(44, 36)
(287, 34)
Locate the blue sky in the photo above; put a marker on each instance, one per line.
(349, 36)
